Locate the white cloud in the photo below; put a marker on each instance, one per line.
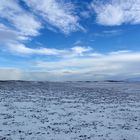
(78, 62)
(117, 12)
(13, 74)
(21, 25)
(19, 18)
(7, 34)
(114, 65)
(57, 13)
(121, 64)
(22, 49)
(81, 50)
(16, 25)
(74, 51)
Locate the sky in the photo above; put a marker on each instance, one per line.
(69, 40)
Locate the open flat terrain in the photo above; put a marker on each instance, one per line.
(69, 111)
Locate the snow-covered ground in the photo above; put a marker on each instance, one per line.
(69, 111)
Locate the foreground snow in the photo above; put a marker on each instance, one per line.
(69, 111)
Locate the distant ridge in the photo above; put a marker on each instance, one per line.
(136, 79)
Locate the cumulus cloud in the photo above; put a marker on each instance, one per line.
(117, 12)
(57, 13)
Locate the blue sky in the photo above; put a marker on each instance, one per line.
(69, 39)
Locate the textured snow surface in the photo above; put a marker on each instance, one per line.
(69, 111)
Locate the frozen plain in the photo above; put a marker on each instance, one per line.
(69, 110)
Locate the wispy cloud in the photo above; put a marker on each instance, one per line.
(114, 65)
(13, 74)
(23, 25)
(117, 12)
(6, 34)
(108, 33)
(121, 64)
(19, 25)
(18, 18)
(57, 13)
(71, 52)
